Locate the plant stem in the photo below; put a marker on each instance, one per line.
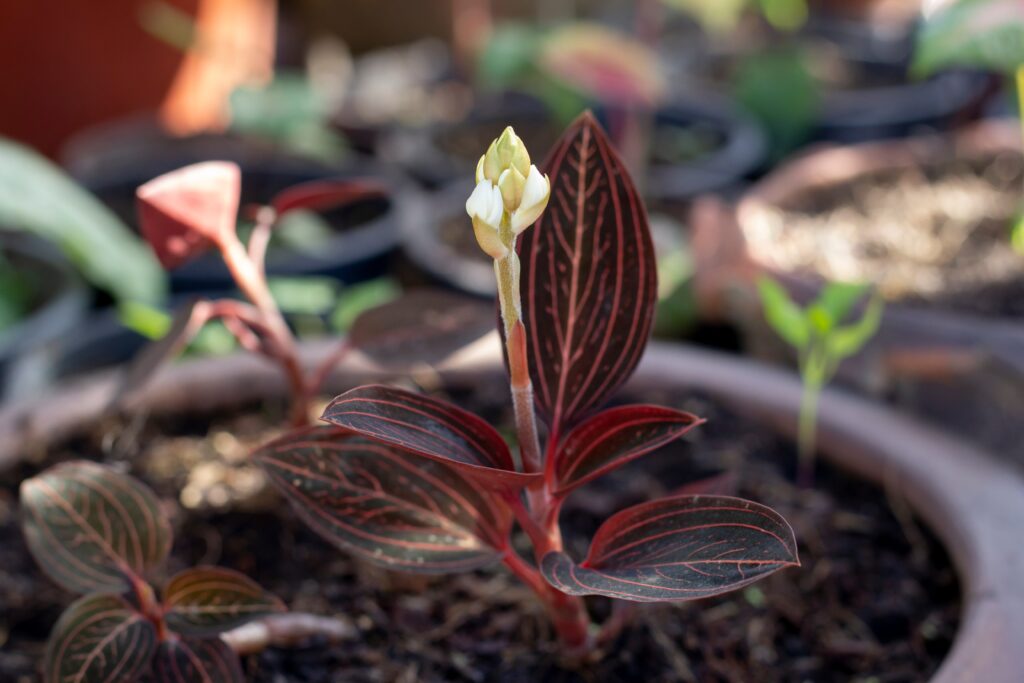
(506, 271)
(249, 278)
(807, 436)
(568, 614)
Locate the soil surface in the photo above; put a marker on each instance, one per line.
(938, 235)
(875, 600)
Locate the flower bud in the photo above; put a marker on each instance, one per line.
(486, 206)
(508, 151)
(511, 183)
(508, 187)
(534, 198)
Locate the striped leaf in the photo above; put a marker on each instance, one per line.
(191, 660)
(389, 507)
(588, 278)
(430, 428)
(209, 600)
(614, 437)
(324, 195)
(675, 549)
(91, 528)
(99, 638)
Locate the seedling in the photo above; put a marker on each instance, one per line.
(102, 534)
(184, 213)
(822, 342)
(987, 34)
(414, 483)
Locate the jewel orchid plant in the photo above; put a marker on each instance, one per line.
(100, 533)
(184, 213)
(414, 483)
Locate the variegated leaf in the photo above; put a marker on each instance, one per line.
(209, 600)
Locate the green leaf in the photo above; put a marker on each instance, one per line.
(977, 33)
(1017, 234)
(149, 321)
(99, 638)
(357, 299)
(91, 528)
(837, 299)
(38, 197)
(779, 91)
(208, 600)
(508, 55)
(848, 340)
(304, 295)
(784, 316)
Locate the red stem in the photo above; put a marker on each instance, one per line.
(567, 612)
(249, 278)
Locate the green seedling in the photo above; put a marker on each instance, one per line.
(822, 341)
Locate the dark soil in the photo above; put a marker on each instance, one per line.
(875, 600)
(936, 236)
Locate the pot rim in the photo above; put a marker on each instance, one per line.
(971, 501)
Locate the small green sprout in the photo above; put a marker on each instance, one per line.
(822, 341)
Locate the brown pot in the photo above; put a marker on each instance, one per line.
(926, 357)
(973, 503)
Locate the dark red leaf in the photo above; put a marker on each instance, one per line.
(614, 437)
(430, 428)
(391, 508)
(588, 278)
(91, 528)
(420, 327)
(322, 195)
(182, 212)
(191, 660)
(681, 548)
(209, 600)
(99, 638)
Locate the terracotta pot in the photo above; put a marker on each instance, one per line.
(921, 353)
(970, 501)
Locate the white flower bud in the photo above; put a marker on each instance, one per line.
(534, 199)
(486, 206)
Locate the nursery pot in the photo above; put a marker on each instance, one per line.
(55, 303)
(931, 346)
(864, 90)
(970, 501)
(359, 239)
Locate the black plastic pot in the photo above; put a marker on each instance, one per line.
(113, 162)
(59, 303)
(729, 145)
(435, 155)
(881, 100)
(437, 238)
(736, 148)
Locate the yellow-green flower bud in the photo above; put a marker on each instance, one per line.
(508, 187)
(508, 151)
(511, 183)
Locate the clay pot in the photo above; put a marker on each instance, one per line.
(970, 501)
(929, 358)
